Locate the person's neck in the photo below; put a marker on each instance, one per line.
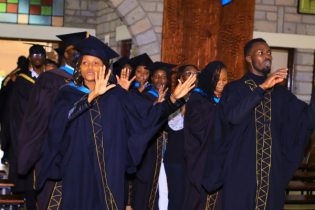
(217, 94)
(90, 85)
(38, 70)
(259, 78)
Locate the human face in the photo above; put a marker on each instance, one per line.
(142, 74)
(90, 65)
(37, 60)
(70, 53)
(223, 80)
(50, 66)
(260, 59)
(159, 79)
(189, 70)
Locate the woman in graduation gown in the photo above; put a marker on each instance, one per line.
(174, 159)
(146, 183)
(140, 69)
(201, 110)
(93, 138)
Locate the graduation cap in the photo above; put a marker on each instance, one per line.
(73, 38)
(167, 67)
(119, 65)
(95, 47)
(60, 51)
(141, 60)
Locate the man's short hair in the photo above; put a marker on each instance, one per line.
(250, 43)
(37, 49)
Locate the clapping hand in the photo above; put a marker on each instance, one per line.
(183, 88)
(101, 84)
(274, 78)
(123, 80)
(162, 94)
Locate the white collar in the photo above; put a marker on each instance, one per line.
(34, 73)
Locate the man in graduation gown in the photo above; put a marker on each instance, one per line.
(34, 124)
(266, 130)
(5, 92)
(17, 102)
(93, 140)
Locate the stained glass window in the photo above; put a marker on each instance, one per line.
(34, 12)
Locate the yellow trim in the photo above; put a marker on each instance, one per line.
(27, 78)
(55, 197)
(263, 147)
(211, 201)
(109, 200)
(159, 147)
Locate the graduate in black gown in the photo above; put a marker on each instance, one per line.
(140, 69)
(174, 160)
(145, 186)
(93, 138)
(266, 130)
(21, 94)
(200, 117)
(35, 120)
(5, 92)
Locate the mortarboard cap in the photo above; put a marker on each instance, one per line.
(73, 38)
(163, 66)
(37, 49)
(140, 60)
(95, 47)
(119, 65)
(60, 51)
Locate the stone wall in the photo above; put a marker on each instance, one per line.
(281, 16)
(144, 21)
(80, 13)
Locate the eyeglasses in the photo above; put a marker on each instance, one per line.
(40, 55)
(188, 73)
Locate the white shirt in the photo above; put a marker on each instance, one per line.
(176, 121)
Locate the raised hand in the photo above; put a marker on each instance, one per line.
(162, 94)
(183, 88)
(101, 84)
(274, 78)
(143, 85)
(123, 80)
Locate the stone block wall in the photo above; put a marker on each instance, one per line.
(281, 16)
(80, 13)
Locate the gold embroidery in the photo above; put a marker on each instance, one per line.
(56, 197)
(159, 146)
(211, 201)
(99, 147)
(263, 147)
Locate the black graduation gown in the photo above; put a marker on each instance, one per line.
(149, 168)
(127, 122)
(7, 86)
(174, 163)
(198, 130)
(5, 92)
(234, 167)
(17, 102)
(34, 126)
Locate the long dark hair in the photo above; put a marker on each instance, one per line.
(77, 76)
(209, 77)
